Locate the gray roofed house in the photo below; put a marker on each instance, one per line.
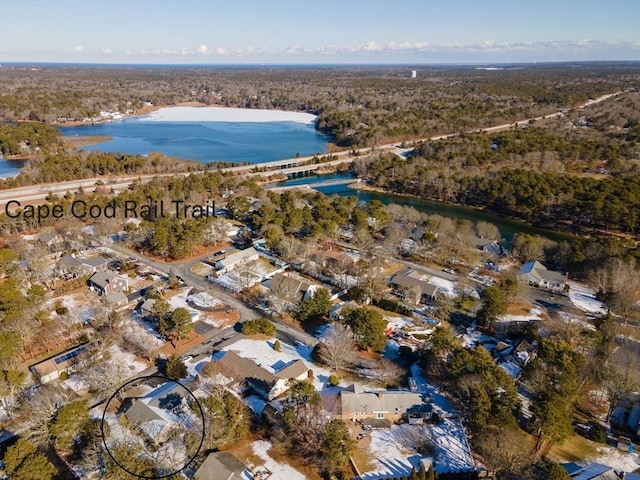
(223, 466)
(53, 241)
(293, 287)
(97, 262)
(140, 412)
(146, 309)
(391, 405)
(295, 369)
(152, 420)
(108, 282)
(70, 267)
(115, 299)
(598, 471)
(536, 274)
(269, 385)
(487, 245)
(411, 285)
(233, 260)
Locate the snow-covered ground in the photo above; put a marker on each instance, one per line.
(534, 314)
(278, 471)
(393, 451)
(584, 298)
(442, 405)
(572, 319)
(452, 453)
(446, 286)
(615, 458)
(224, 114)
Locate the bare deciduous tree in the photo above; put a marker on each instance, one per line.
(338, 346)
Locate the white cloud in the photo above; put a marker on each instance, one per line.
(106, 51)
(78, 49)
(400, 50)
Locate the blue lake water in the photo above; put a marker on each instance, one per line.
(507, 227)
(253, 142)
(10, 168)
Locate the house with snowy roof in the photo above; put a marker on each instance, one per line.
(411, 285)
(266, 381)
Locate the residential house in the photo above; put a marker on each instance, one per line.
(267, 382)
(333, 259)
(292, 286)
(338, 310)
(153, 421)
(235, 259)
(116, 299)
(52, 241)
(414, 287)
(67, 361)
(598, 471)
(146, 309)
(487, 245)
(390, 405)
(223, 466)
(70, 266)
(107, 282)
(536, 274)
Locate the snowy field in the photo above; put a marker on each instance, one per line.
(615, 458)
(534, 314)
(452, 453)
(584, 298)
(393, 453)
(278, 471)
(224, 114)
(571, 319)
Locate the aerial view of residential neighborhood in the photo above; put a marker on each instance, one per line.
(289, 240)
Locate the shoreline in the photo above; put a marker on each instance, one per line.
(582, 234)
(240, 114)
(79, 141)
(571, 236)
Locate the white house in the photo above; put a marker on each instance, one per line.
(234, 260)
(536, 274)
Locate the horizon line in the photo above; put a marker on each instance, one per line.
(327, 64)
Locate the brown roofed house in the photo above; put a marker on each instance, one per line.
(222, 466)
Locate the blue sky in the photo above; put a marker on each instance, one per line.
(321, 31)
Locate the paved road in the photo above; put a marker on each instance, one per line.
(287, 333)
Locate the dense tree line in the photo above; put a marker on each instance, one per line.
(541, 198)
(52, 167)
(27, 138)
(358, 106)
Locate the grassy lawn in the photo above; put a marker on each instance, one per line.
(244, 452)
(361, 455)
(574, 449)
